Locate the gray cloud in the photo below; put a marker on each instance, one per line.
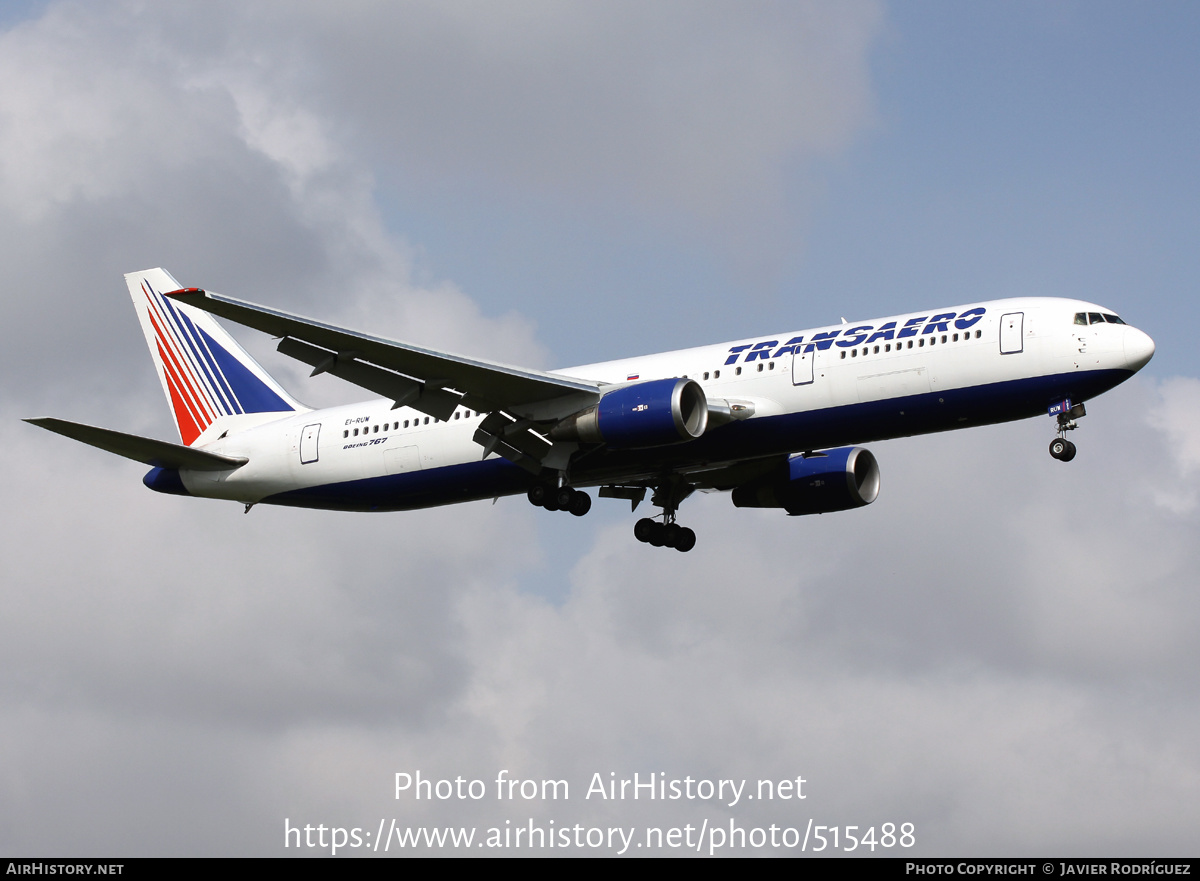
(942, 657)
(661, 106)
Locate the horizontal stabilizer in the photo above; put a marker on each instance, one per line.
(160, 454)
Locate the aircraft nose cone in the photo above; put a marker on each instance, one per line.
(1139, 348)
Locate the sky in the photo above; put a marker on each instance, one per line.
(1000, 651)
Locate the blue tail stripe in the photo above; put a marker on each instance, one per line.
(182, 326)
(220, 383)
(254, 394)
(171, 322)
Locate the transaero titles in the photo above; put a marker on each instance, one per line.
(853, 336)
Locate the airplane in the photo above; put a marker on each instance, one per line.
(775, 420)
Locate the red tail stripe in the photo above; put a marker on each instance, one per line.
(171, 360)
(188, 429)
(186, 415)
(192, 383)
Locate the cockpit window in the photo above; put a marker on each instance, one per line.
(1097, 318)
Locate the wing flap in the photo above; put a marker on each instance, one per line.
(160, 454)
(513, 439)
(428, 397)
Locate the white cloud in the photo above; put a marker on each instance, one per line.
(1177, 416)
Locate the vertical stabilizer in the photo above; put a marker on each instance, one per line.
(204, 373)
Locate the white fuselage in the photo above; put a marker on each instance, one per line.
(806, 389)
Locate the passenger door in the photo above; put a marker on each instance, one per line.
(1012, 333)
(308, 443)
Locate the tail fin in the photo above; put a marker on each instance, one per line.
(204, 373)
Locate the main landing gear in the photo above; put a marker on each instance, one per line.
(659, 533)
(562, 498)
(667, 533)
(1061, 448)
(664, 535)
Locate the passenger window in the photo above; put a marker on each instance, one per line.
(706, 374)
(978, 334)
(738, 372)
(716, 374)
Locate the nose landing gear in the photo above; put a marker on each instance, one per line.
(1061, 448)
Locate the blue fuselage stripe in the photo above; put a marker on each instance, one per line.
(755, 438)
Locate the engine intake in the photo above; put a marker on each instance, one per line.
(835, 480)
(645, 414)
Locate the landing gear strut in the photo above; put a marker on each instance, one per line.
(1061, 448)
(667, 533)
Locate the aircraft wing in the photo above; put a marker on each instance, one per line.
(522, 404)
(430, 381)
(160, 454)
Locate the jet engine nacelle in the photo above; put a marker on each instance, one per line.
(645, 414)
(834, 480)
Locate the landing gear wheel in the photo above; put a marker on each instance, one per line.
(538, 493)
(581, 503)
(643, 529)
(671, 534)
(686, 540)
(563, 498)
(1062, 449)
(658, 535)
